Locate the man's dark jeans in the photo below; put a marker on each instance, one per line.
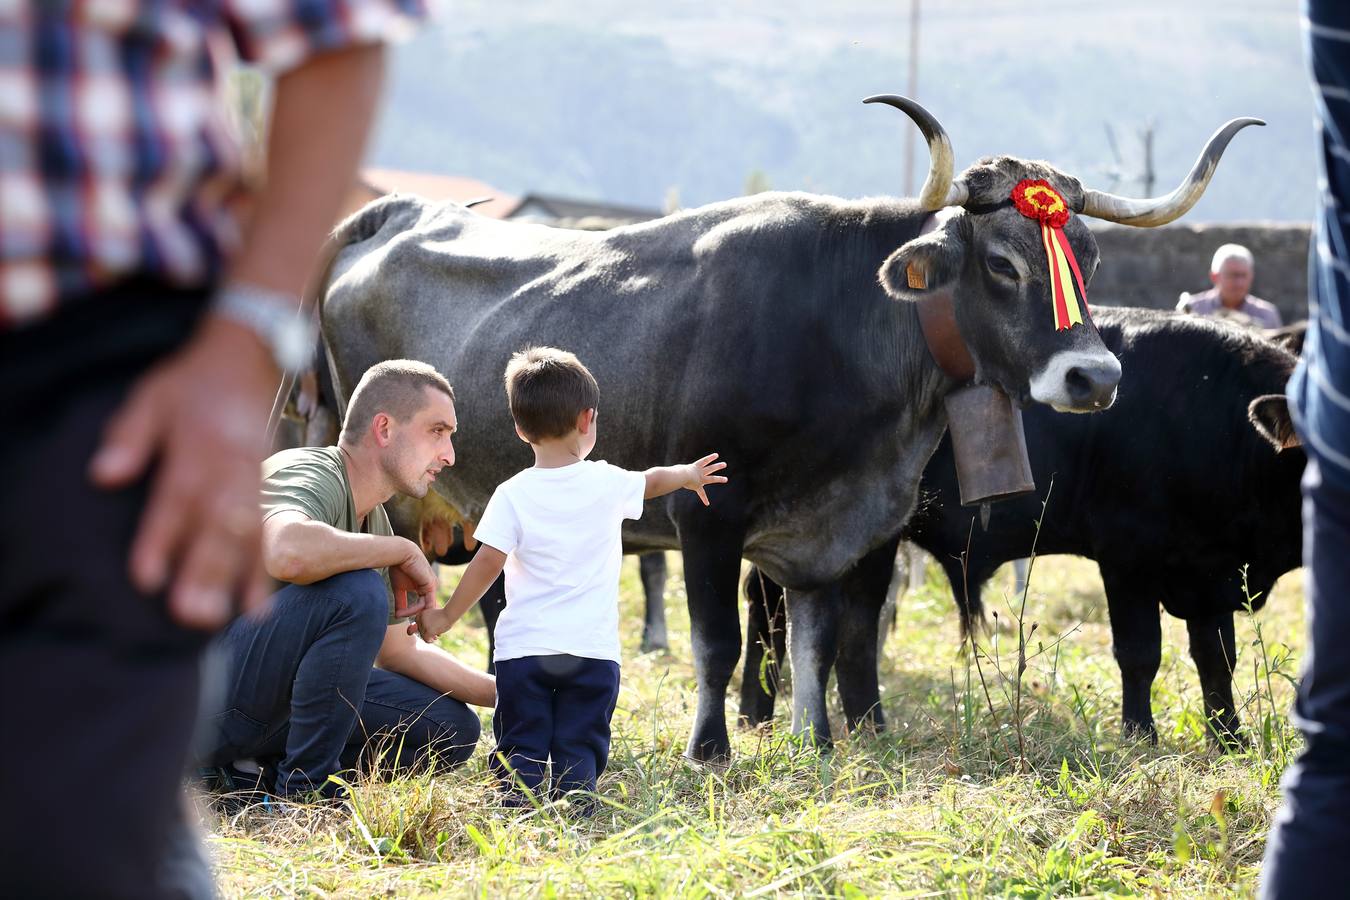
(1312, 829)
(98, 686)
(296, 678)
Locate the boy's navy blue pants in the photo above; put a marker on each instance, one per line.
(554, 707)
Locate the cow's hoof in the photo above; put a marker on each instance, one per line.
(721, 762)
(869, 726)
(752, 721)
(1141, 731)
(714, 750)
(815, 738)
(654, 643)
(1227, 736)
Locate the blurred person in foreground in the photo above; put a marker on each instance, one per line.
(141, 344)
(1231, 272)
(1312, 829)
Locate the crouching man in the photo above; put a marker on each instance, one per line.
(326, 680)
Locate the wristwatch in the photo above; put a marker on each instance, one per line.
(275, 317)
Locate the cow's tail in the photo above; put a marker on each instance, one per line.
(361, 225)
(969, 602)
(973, 622)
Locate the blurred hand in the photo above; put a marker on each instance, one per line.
(199, 418)
(412, 575)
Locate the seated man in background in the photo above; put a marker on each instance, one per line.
(300, 695)
(1231, 274)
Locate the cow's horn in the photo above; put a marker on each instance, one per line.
(939, 189)
(1161, 210)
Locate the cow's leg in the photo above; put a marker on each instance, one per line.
(1136, 636)
(765, 648)
(321, 428)
(1214, 650)
(491, 606)
(712, 568)
(653, 569)
(813, 642)
(865, 589)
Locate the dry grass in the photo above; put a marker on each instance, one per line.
(940, 805)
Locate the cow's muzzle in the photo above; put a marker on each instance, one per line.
(1077, 381)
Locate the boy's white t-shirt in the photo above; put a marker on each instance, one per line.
(560, 531)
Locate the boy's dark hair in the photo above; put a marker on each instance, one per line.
(393, 387)
(547, 389)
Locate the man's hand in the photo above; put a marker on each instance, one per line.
(199, 418)
(412, 575)
(700, 473)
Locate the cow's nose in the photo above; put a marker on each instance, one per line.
(1092, 386)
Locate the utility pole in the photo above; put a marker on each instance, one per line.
(912, 91)
(1150, 174)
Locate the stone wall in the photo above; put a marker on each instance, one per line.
(1151, 266)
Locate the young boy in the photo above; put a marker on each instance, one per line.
(555, 529)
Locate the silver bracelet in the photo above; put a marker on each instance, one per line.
(275, 317)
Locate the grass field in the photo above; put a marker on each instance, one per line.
(942, 804)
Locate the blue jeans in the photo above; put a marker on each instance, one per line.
(555, 707)
(1312, 829)
(298, 678)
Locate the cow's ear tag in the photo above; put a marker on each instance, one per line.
(915, 276)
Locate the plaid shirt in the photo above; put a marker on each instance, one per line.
(117, 156)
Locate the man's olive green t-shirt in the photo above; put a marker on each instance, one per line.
(313, 481)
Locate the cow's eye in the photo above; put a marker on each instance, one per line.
(1001, 265)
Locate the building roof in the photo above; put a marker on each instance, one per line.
(439, 188)
(551, 207)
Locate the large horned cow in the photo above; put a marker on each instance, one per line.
(766, 328)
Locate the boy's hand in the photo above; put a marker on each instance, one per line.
(700, 473)
(430, 624)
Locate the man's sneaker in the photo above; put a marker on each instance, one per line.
(234, 789)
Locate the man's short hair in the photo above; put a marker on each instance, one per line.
(547, 389)
(394, 387)
(1227, 252)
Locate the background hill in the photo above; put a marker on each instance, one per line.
(625, 101)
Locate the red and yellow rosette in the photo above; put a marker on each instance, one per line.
(1036, 199)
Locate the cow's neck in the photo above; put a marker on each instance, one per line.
(925, 381)
(937, 319)
(894, 445)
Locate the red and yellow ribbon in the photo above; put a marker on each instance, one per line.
(1036, 199)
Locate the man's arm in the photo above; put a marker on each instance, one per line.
(299, 550)
(202, 414)
(432, 666)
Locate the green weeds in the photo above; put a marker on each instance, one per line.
(1002, 772)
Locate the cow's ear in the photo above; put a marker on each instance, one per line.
(1270, 417)
(926, 264)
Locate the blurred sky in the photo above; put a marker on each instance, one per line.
(629, 101)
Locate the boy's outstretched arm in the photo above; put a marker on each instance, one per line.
(693, 476)
(483, 569)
